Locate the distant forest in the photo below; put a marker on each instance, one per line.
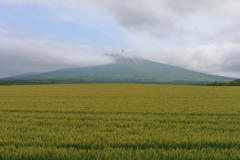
(232, 83)
(54, 81)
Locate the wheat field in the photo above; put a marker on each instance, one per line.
(119, 121)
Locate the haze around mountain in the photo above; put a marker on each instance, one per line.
(122, 70)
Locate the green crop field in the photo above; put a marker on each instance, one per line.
(119, 122)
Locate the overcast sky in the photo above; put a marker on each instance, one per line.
(45, 35)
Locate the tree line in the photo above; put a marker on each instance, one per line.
(232, 83)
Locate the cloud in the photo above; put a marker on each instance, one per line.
(161, 19)
(40, 56)
(210, 59)
(26, 28)
(6, 32)
(63, 17)
(199, 35)
(140, 16)
(227, 31)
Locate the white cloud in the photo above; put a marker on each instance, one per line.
(199, 35)
(24, 56)
(226, 31)
(210, 59)
(162, 19)
(6, 32)
(64, 17)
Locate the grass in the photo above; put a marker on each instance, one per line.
(119, 121)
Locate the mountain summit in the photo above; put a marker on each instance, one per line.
(124, 70)
(122, 59)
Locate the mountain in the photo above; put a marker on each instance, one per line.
(26, 74)
(124, 70)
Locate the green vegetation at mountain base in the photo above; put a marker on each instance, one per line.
(232, 83)
(5, 83)
(119, 121)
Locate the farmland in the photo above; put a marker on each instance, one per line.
(119, 121)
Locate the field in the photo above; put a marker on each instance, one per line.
(119, 121)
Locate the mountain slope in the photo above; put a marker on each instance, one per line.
(135, 70)
(172, 73)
